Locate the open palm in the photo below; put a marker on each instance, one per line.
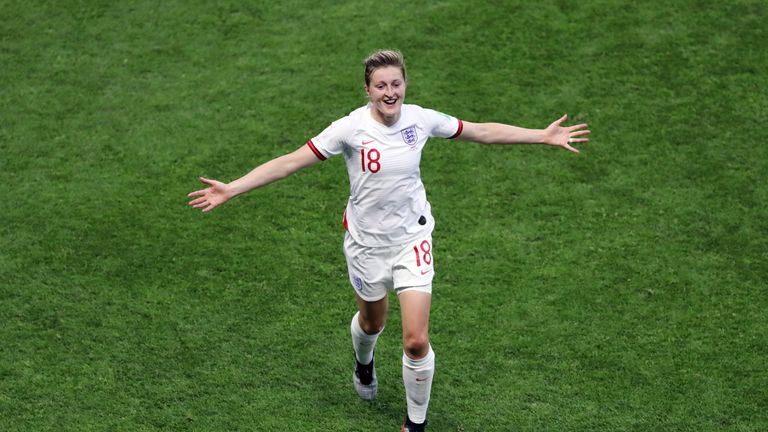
(564, 136)
(216, 194)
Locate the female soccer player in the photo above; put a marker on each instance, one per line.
(388, 222)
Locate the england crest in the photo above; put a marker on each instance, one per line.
(358, 283)
(409, 135)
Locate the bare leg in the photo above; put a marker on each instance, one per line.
(414, 308)
(372, 315)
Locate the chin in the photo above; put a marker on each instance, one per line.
(392, 109)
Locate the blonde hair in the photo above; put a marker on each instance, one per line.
(383, 58)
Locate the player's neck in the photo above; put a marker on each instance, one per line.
(386, 120)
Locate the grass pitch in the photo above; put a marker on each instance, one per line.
(622, 289)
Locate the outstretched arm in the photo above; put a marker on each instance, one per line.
(217, 193)
(554, 134)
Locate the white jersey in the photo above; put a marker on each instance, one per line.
(387, 202)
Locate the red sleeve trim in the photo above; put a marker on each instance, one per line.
(458, 132)
(317, 152)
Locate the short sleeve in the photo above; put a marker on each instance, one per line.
(330, 142)
(442, 125)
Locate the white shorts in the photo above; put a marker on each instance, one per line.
(374, 271)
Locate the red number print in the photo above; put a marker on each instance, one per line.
(426, 248)
(373, 160)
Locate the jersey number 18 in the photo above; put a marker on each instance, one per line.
(372, 163)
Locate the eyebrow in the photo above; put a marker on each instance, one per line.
(385, 81)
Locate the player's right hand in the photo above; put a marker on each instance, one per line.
(216, 194)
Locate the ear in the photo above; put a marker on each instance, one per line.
(365, 87)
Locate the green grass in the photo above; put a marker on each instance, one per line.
(623, 289)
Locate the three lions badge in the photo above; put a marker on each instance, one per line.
(409, 135)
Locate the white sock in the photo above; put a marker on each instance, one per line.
(417, 377)
(362, 342)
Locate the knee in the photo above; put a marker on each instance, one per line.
(372, 326)
(416, 346)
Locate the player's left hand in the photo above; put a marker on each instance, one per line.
(561, 136)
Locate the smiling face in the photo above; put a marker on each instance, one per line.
(386, 91)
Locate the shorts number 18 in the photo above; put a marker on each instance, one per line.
(426, 249)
